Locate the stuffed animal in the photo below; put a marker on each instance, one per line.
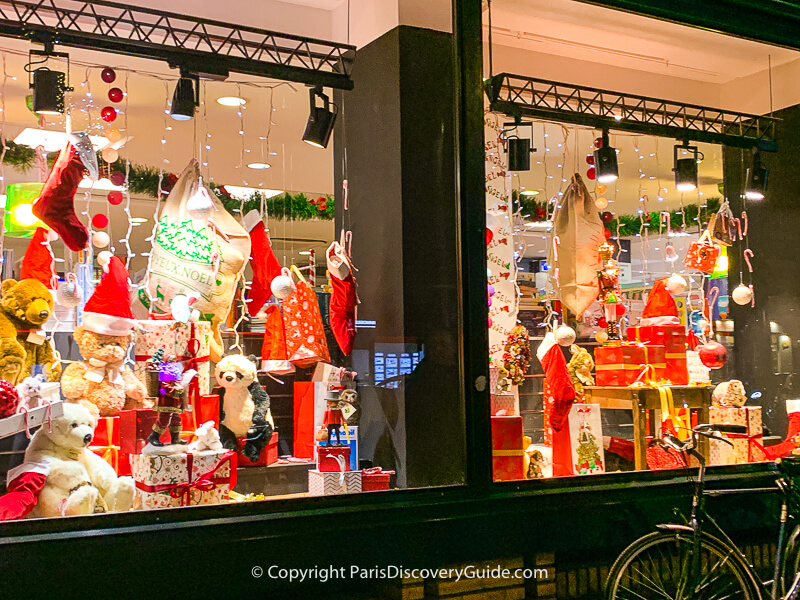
(103, 382)
(207, 438)
(729, 393)
(245, 406)
(28, 304)
(30, 392)
(60, 476)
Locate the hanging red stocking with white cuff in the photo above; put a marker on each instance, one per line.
(342, 306)
(557, 376)
(263, 262)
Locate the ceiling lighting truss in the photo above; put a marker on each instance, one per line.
(517, 96)
(197, 45)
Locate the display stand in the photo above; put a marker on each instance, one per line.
(644, 400)
(35, 418)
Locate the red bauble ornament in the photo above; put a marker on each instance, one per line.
(621, 310)
(713, 355)
(109, 113)
(602, 323)
(606, 217)
(598, 143)
(114, 197)
(108, 75)
(117, 177)
(591, 173)
(99, 221)
(590, 159)
(9, 399)
(489, 236)
(115, 94)
(607, 233)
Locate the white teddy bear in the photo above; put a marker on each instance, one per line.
(78, 481)
(30, 392)
(207, 438)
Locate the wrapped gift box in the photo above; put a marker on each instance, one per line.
(333, 458)
(375, 478)
(174, 337)
(507, 448)
(746, 447)
(112, 455)
(205, 409)
(622, 364)
(586, 439)
(167, 480)
(269, 454)
(107, 432)
(506, 402)
(673, 338)
(351, 441)
(134, 427)
(698, 372)
(333, 484)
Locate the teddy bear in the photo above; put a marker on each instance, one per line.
(78, 481)
(102, 381)
(245, 407)
(28, 304)
(30, 392)
(207, 438)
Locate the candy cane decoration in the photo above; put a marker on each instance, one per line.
(712, 302)
(744, 218)
(666, 217)
(556, 242)
(346, 189)
(748, 254)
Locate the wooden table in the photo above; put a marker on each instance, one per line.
(644, 399)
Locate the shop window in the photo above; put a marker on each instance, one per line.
(612, 317)
(248, 298)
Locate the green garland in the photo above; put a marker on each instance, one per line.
(629, 225)
(144, 180)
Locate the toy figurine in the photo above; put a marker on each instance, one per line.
(171, 403)
(610, 292)
(334, 420)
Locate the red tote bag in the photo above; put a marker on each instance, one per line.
(302, 322)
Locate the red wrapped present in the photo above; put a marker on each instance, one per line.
(107, 432)
(112, 455)
(375, 478)
(205, 409)
(622, 364)
(331, 458)
(269, 453)
(134, 427)
(507, 448)
(672, 337)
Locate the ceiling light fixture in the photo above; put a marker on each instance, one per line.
(320, 119)
(518, 149)
(231, 101)
(48, 86)
(186, 97)
(605, 161)
(258, 165)
(756, 182)
(686, 166)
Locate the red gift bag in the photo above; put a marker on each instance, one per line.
(304, 426)
(274, 357)
(302, 322)
(702, 254)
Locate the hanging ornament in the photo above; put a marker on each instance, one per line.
(100, 239)
(607, 233)
(108, 75)
(489, 236)
(742, 294)
(108, 114)
(598, 143)
(104, 258)
(621, 310)
(565, 335)
(110, 155)
(676, 285)
(117, 177)
(601, 337)
(601, 203)
(591, 173)
(601, 188)
(713, 355)
(670, 254)
(113, 134)
(200, 206)
(607, 217)
(99, 221)
(282, 286)
(114, 197)
(590, 159)
(490, 289)
(115, 94)
(69, 293)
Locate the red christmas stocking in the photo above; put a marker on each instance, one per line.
(262, 261)
(56, 205)
(557, 376)
(342, 307)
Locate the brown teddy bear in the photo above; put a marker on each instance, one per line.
(102, 382)
(28, 304)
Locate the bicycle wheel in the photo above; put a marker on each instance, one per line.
(658, 564)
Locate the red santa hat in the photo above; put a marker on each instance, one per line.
(108, 311)
(38, 260)
(660, 308)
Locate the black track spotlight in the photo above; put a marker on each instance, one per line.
(48, 85)
(757, 175)
(518, 148)
(686, 158)
(185, 98)
(605, 161)
(320, 119)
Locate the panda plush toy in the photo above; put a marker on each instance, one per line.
(244, 406)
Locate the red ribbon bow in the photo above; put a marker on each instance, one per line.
(204, 482)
